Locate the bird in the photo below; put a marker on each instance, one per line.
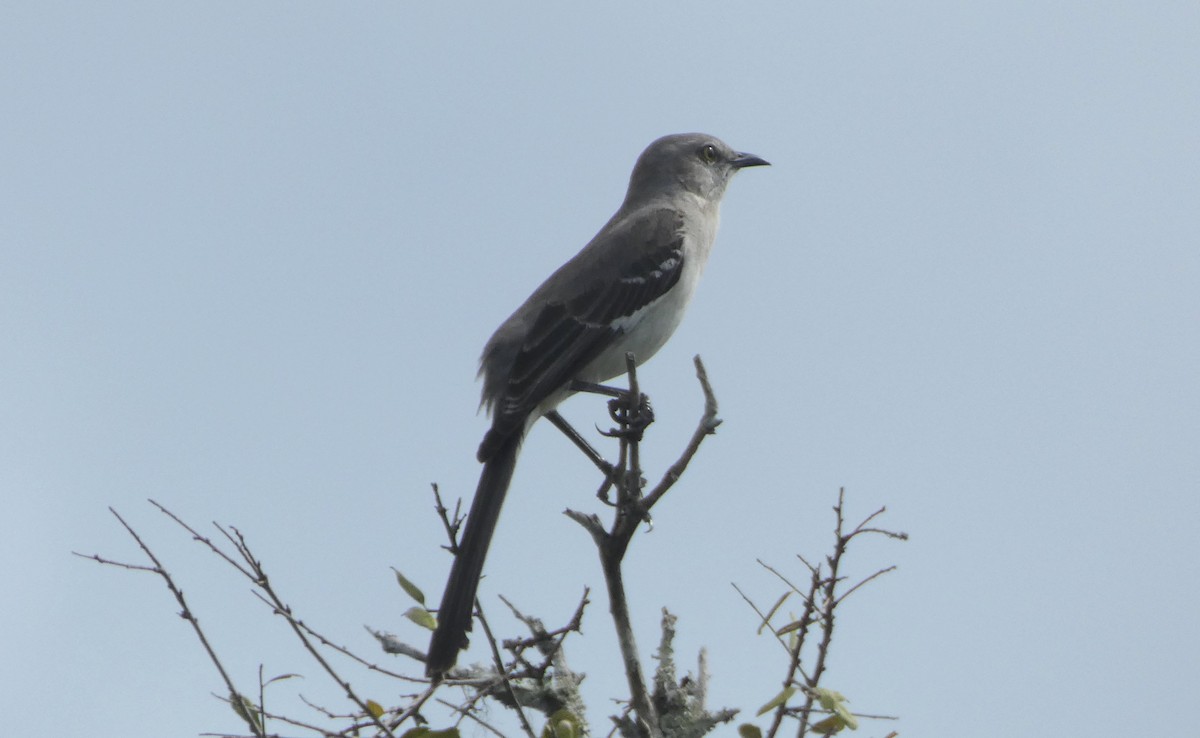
(625, 292)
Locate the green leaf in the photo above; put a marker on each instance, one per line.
(844, 713)
(789, 628)
(829, 725)
(375, 709)
(281, 677)
(835, 702)
(247, 711)
(749, 730)
(563, 724)
(444, 733)
(771, 613)
(409, 588)
(827, 697)
(421, 617)
(776, 701)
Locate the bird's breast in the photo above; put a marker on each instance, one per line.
(646, 330)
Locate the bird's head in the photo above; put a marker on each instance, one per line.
(696, 162)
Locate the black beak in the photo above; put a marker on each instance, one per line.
(743, 160)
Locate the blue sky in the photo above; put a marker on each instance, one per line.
(249, 255)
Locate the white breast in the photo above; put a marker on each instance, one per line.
(648, 329)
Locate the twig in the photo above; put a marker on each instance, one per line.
(797, 647)
(764, 618)
(706, 427)
(471, 714)
(280, 718)
(450, 524)
(811, 570)
(101, 560)
(820, 603)
(540, 634)
(502, 673)
(411, 711)
(830, 602)
(206, 541)
(355, 657)
(258, 575)
(876, 575)
(187, 615)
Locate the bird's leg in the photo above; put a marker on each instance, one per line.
(610, 472)
(633, 417)
(577, 385)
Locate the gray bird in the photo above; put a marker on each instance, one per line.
(626, 291)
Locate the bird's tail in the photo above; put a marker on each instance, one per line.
(458, 601)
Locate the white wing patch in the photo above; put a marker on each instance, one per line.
(665, 267)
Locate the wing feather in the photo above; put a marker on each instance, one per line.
(564, 336)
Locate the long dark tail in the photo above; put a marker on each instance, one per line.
(458, 601)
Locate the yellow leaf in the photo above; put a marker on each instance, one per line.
(421, 617)
(375, 709)
(777, 700)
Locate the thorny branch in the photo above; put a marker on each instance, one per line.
(250, 567)
(236, 698)
(631, 510)
(516, 684)
(820, 597)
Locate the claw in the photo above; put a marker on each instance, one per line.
(633, 419)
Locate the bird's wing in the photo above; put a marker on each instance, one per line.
(565, 335)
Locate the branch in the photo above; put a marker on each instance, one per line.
(254, 571)
(706, 427)
(632, 414)
(235, 696)
(502, 673)
(820, 599)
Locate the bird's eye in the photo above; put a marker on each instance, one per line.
(708, 153)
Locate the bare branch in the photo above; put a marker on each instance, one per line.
(471, 715)
(706, 427)
(186, 614)
(450, 523)
(764, 618)
(540, 635)
(203, 539)
(252, 569)
(132, 567)
(876, 575)
(502, 672)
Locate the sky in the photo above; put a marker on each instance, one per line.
(249, 254)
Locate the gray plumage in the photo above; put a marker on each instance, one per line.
(626, 291)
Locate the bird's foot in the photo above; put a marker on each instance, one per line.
(633, 417)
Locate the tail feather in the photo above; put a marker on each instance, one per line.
(458, 601)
